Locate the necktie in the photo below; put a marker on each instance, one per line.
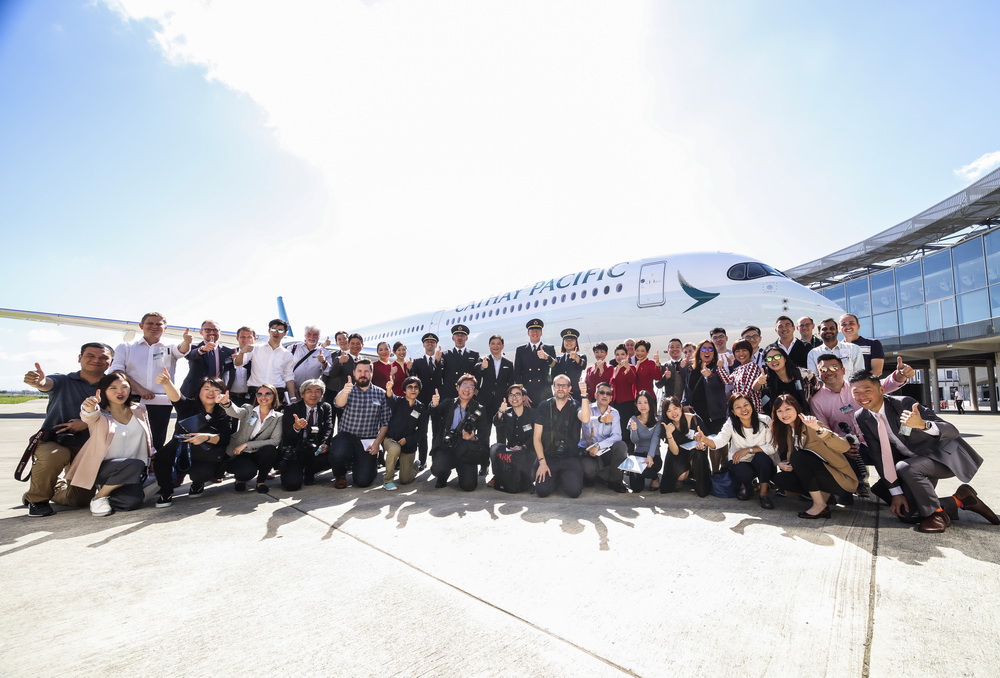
(215, 361)
(312, 416)
(888, 464)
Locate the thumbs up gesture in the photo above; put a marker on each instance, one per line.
(435, 399)
(699, 436)
(163, 377)
(299, 422)
(903, 371)
(35, 377)
(349, 386)
(913, 418)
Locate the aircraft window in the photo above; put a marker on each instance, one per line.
(737, 272)
(553, 301)
(618, 288)
(519, 307)
(583, 295)
(607, 289)
(755, 270)
(594, 292)
(545, 302)
(572, 297)
(536, 303)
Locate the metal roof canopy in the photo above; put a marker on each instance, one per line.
(978, 204)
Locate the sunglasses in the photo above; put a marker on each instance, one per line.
(605, 393)
(773, 358)
(829, 369)
(264, 394)
(278, 329)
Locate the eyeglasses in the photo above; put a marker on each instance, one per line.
(708, 350)
(466, 387)
(278, 329)
(412, 387)
(264, 394)
(515, 394)
(560, 385)
(829, 369)
(751, 336)
(773, 358)
(605, 393)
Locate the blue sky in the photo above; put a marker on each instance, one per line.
(203, 158)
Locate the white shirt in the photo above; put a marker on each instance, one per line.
(128, 441)
(142, 362)
(746, 437)
(270, 366)
(311, 367)
(849, 354)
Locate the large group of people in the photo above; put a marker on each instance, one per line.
(805, 416)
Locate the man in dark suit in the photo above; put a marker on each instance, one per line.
(912, 448)
(427, 369)
(207, 359)
(495, 374)
(533, 363)
(457, 361)
(306, 429)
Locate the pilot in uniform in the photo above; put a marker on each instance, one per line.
(531, 369)
(457, 361)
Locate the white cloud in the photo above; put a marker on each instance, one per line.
(517, 119)
(47, 336)
(979, 166)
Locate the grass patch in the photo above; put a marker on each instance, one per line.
(15, 399)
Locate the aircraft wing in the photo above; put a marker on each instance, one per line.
(129, 328)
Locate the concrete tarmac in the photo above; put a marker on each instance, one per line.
(425, 582)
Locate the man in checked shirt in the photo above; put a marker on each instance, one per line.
(363, 424)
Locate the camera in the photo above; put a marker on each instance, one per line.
(468, 425)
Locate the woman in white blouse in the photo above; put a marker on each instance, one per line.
(751, 450)
(113, 462)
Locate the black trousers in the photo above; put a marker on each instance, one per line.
(446, 459)
(566, 472)
(159, 422)
(809, 474)
(626, 410)
(249, 464)
(637, 481)
(206, 464)
(676, 465)
(301, 465)
(347, 453)
(761, 467)
(605, 466)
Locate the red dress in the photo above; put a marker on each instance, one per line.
(381, 373)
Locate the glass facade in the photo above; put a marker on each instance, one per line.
(924, 300)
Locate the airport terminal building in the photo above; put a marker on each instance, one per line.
(929, 290)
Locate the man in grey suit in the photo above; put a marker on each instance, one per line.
(912, 448)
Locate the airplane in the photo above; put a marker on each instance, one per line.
(657, 299)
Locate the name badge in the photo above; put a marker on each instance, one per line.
(158, 354)
(865, 350)
(526, 427)
(798, 384)
(846, 409)
(252, 421)
(415, 414)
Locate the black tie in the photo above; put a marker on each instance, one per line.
(312, 416)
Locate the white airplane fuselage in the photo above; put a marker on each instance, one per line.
(644, 299)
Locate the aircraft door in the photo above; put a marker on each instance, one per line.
(435, 321)
(651, 278)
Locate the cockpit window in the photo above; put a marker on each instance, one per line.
(752, 270)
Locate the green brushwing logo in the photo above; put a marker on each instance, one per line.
(700, 296)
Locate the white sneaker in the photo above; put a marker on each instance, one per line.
(101, 506)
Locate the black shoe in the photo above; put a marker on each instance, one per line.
(262, 488)
(309, 479)
(164, 501)
(196, 488)
(617, 486)
(766, 502)
(484, 470)
(441, 482)
(743, 495)
(40, 509)
(240, 487)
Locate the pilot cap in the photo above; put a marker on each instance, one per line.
(535, 324)
(569, 332)
(460, 329)
(429, 336)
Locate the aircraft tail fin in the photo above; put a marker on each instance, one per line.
(284, 316)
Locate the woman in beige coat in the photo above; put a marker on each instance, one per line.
(812, 457)
(112, 464)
